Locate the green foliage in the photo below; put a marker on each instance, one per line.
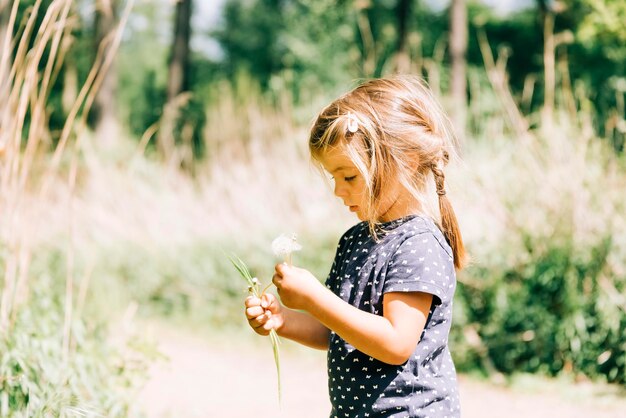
(520, 37)
(595, 58)
(318, 46)
(287, 46)
(547, 296)
(40, 376)
(305, 46)
(43, 374)
(142, 68)
(304, 49)
(257, 49)
(549, 315)
(603, 24)
(196, 281)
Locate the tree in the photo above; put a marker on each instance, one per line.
(403, 13)
(458, 51)
(103, 118)
(252, 38)
(177, 78)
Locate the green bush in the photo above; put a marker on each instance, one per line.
(42, 374)
(547, 315)
(547, 295)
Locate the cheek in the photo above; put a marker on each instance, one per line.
(359, 188)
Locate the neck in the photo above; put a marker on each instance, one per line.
(404, 205)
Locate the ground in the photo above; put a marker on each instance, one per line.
(234, 376)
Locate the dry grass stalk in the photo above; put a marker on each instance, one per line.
(498, 79)
(25, 90)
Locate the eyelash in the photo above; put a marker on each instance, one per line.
(348, 179)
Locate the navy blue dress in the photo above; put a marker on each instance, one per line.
(411, 256)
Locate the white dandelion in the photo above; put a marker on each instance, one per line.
(283, 246)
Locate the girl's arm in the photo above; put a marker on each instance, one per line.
(390, 338)
(301, 327)
(305, 329)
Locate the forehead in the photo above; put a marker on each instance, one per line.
(335, 158)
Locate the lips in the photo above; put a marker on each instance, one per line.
(354, 208)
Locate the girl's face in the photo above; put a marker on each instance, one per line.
(351, 188)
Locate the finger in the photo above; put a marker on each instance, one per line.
(258, 327)
(254, 311)
(252, 301)
(277, 279)
(268, 326)
(274, 304)
(262, 331)
(280, 268)
(267, 300)
(260, 320)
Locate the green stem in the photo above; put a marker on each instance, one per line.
(266, 287)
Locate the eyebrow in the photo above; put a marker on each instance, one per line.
(339, 168)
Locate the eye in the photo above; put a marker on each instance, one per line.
(349, 178)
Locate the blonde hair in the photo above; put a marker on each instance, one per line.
(393, 127)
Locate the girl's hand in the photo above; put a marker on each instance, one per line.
(264, 314)
(295, 286)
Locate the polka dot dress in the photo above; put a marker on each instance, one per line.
(411, 256)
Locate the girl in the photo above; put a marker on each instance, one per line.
(385, 310)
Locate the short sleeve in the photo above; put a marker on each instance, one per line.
(421, 264)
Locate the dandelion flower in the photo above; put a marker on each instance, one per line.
(283, 246)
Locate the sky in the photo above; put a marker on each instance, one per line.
(206, 16)
(501, 7)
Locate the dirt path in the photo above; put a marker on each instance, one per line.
(234, 377)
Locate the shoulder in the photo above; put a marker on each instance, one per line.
(421, 261)
(422, 232)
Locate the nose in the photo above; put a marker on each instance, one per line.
(340, 190)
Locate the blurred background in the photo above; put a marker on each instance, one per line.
(142, 142)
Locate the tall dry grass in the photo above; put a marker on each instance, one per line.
(30, 63)
(24, 91)
(42, 306)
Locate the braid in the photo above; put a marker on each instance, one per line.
(439, 180)
(448, 218)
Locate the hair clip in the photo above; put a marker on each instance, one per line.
(353, 123)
